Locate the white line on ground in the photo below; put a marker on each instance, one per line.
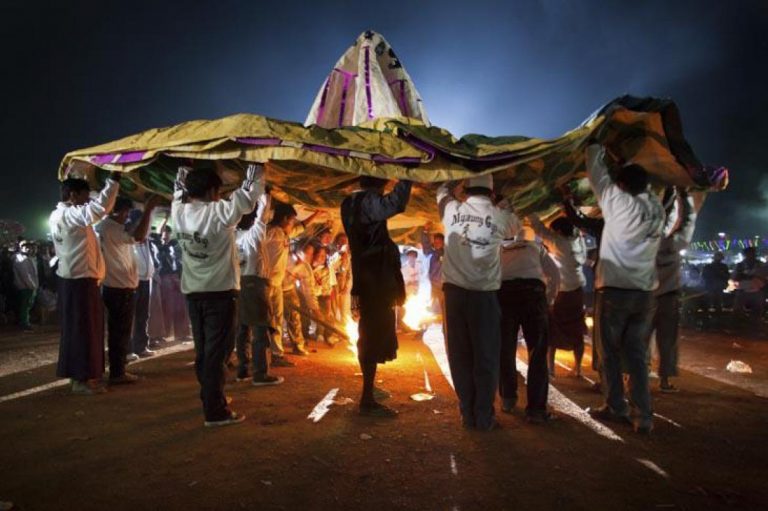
(321, 408)
(562, 404)
(566, 367)
(62, 382)
(433, 338)
(667, 419)
(588, 379)
(653, 466)
(454, 467)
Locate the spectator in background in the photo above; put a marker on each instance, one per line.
(323, 291)
(411, 272)
(433, 246)
(715, 275)
(750, 277)
(26, 282)
(168, 264)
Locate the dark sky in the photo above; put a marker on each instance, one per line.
(80, 73)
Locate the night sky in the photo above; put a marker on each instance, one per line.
(82, 73)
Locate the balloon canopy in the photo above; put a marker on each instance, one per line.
(369, 119)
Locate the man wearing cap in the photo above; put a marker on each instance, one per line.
(26, 281)
(474, 229)
(80, 269)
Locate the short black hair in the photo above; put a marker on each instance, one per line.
(749, 250)
(281, 212)
(121, 204)
(633, 178)
(200, 181)
(563, 226)
(439, 235)
(367, 182)
(478, 190)
(167, 228)
(73, 185)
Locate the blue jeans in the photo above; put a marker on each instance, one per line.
(623, 325)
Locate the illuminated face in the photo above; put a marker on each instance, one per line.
(319, 258)
(309, 253)
(325, 238)
(438, 242)
(288, 223)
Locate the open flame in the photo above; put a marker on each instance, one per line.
(350, 328)
(418, 313)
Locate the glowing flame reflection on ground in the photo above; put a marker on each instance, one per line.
(418, 312)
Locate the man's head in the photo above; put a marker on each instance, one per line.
(438, 241)
(204, 185)
(122, 209)
(750, 254)
(341, 240)
(27, 247)
(309, 252)
(372, 183)
(719, 257)
(325, 236)
(412, 255)
(319, 257)
(563, 227)
(632, 179)
(75, 191)
(480, 185)
(165, 236)
(284, 216)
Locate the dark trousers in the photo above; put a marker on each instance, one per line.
(119, 305)
(140, 338)
(213, 318)
(524, 304)
(473, 343)
(26, 301)
(81, 313)
(623, 323)
(666, 322)
(252, 346)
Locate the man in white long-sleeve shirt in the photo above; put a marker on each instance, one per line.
(624, 283)
(143, 254)
(120, 281)
(26, 281)
(80, 269)
(474, 229)
(205, 229)
(523, 298)
(668, 263)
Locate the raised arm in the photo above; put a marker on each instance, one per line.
(379, 208)
(597, 170)
(548, 236)
(244, 198)
(684, 233)
(142, 228)
(445, 195)
(95, 210)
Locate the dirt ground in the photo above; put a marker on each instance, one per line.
(144, 447)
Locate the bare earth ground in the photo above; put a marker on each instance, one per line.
(144, 447)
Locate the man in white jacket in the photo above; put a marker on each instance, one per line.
(474, 229)
(625, 281)
(121, 281)
(81, 268)
(205, 229)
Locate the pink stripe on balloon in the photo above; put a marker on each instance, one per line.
(347, 77)
(368, 81)
(321, 110)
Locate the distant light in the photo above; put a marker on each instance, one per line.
(683, 252)
(721, 234)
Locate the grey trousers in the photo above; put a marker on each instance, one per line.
(666, 322)
(623, 325)
(473, 343)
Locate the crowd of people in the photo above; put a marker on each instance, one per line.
(252, 285)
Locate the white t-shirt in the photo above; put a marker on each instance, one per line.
(474, 230)
(117, 247)
(249, 242)
(569, 253)
(72, 232)
(25, 272)
(632, 232)
(206, 234)
(143, 254)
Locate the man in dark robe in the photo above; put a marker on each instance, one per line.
(377, 283)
